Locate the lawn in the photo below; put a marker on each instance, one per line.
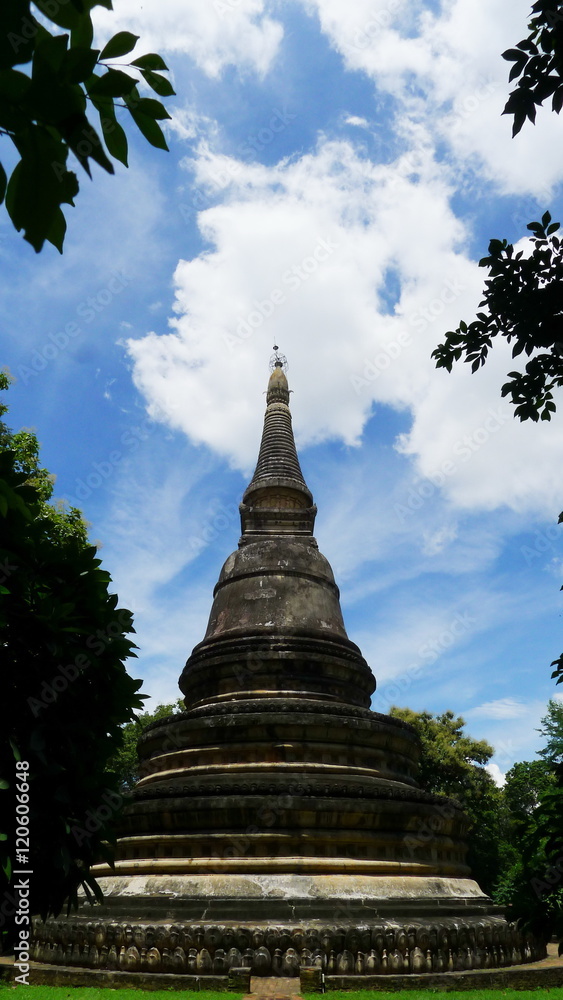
(505, 994)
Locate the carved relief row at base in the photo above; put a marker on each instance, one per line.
(449, 946)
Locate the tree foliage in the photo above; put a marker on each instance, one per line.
(449, 755)
(523, 303)
(46, 107)
(66, 692)
(552, 730)
(531, 884)
(538, 65)
(526, 782)
(452, 764)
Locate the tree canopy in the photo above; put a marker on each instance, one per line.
(531, 884)
(526, 782)
(449, 755)
(538, 65)
(67, 693)
(46, 107)
(452, 764)
(552, 730)
(523, 303)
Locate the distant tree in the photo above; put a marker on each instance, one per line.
(61, 522)
(65, 690)
(449, 756)
(125, 762)
(531, 883)
(552, 730)
(525, 784)
(44, 110)
(452, 764)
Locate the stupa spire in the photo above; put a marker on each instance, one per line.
(277, 499)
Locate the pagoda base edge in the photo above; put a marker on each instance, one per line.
(276, 924)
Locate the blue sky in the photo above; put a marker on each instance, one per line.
(335, 173)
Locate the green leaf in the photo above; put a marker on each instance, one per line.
(160, 84)
(56, 232)
(85, 143)
(82, 33)
(79, 63)
(15, 47)
(34, 190)
(3, 183)
(119, 45)
(114, 136)
(512, 54)
(65, 15)
(150, 61)
(147, 126)
(154, 109)
(113, 83)
(13, 84)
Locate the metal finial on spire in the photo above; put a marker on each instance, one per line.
(278, 360)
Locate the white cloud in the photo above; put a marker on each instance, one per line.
(356, 120)
(446, 70)
(214, 34)
(300, 254)
(436, 541)
(503, 708)
(496, 774)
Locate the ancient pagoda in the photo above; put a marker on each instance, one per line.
(278, 822)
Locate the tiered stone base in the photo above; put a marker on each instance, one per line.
(276, 924)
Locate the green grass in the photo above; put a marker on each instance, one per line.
(505, 994)
(20, 992)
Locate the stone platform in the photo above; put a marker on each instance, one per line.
(547, 974)
(275, 924)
